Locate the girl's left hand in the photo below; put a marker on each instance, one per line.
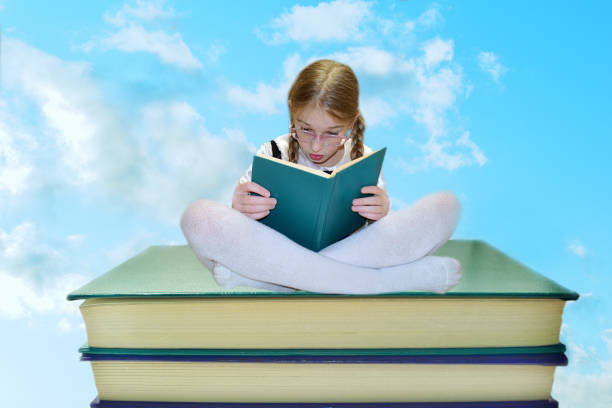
(374, 207)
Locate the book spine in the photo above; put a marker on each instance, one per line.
(323, 211)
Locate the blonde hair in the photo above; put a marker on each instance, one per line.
(332, 86)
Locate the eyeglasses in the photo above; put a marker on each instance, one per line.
(307, 135)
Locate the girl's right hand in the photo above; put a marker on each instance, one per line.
(252, 206)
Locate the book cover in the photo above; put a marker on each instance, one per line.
(314, 208)
(544, 359)
(546, 403)
(545, 351)
(174, 271)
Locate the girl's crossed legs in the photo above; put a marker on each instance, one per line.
(391, 255)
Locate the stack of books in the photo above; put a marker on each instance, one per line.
(161, 333)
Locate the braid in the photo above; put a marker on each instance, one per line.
(357, 138)
(294, 148)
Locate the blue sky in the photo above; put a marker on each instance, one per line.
(115, 115)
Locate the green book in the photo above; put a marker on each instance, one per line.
(313, 208)
(165, 298)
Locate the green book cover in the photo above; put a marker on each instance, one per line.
(314, 208)
(174, 271)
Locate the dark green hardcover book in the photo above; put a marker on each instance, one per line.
(314, 208)
(498, 303)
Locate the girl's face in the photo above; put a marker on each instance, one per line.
(313, 119)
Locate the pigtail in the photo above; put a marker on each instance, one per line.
(294, 146)
(357, 137)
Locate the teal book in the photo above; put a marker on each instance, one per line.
(165, 298)
(314, 208)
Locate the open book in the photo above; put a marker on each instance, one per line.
(313, 208)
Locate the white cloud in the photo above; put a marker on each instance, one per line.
(489, 62)
(435, 94)
(15, 167)
(31, 277)
(182, 161)
(577, 248)
(161, 161)
(376, 111)
(64, 325)
(76, 239)
(574, 386)
(338, 20)
(437, 51)
(368, 59)
(476, 152)
(133, 36)
(143, 10)
(69, 102)
(215, 51)
(428, 19)
(266, 98)
(170, 48)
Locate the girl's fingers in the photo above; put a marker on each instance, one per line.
(372, 190)
(251, 187)
(369, 209)
(252, 209)
(253, 204)
(371, 216)
(258, 215)
(373, 200)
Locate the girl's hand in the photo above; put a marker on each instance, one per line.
(374, 207)
(252, 206)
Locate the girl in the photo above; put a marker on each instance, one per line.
(392, 254)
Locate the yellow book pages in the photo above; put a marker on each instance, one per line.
(328, 383)
(351, 322)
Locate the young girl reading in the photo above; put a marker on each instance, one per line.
(391, 253)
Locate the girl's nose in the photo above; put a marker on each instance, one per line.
(316, 143)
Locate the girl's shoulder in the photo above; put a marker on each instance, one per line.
(282, 142)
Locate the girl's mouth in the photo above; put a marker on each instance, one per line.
(315, 157)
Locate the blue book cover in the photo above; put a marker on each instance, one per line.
(549, 403)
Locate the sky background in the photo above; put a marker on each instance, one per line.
(115, 115)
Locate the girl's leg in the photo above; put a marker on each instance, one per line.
(257, 252)
(401, 237)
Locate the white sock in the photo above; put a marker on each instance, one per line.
(257, 252)
(228, 279)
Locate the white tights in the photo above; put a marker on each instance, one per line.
(391, 255)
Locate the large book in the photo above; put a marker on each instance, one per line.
(164, 298)
(313, 208)
(375, 377)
